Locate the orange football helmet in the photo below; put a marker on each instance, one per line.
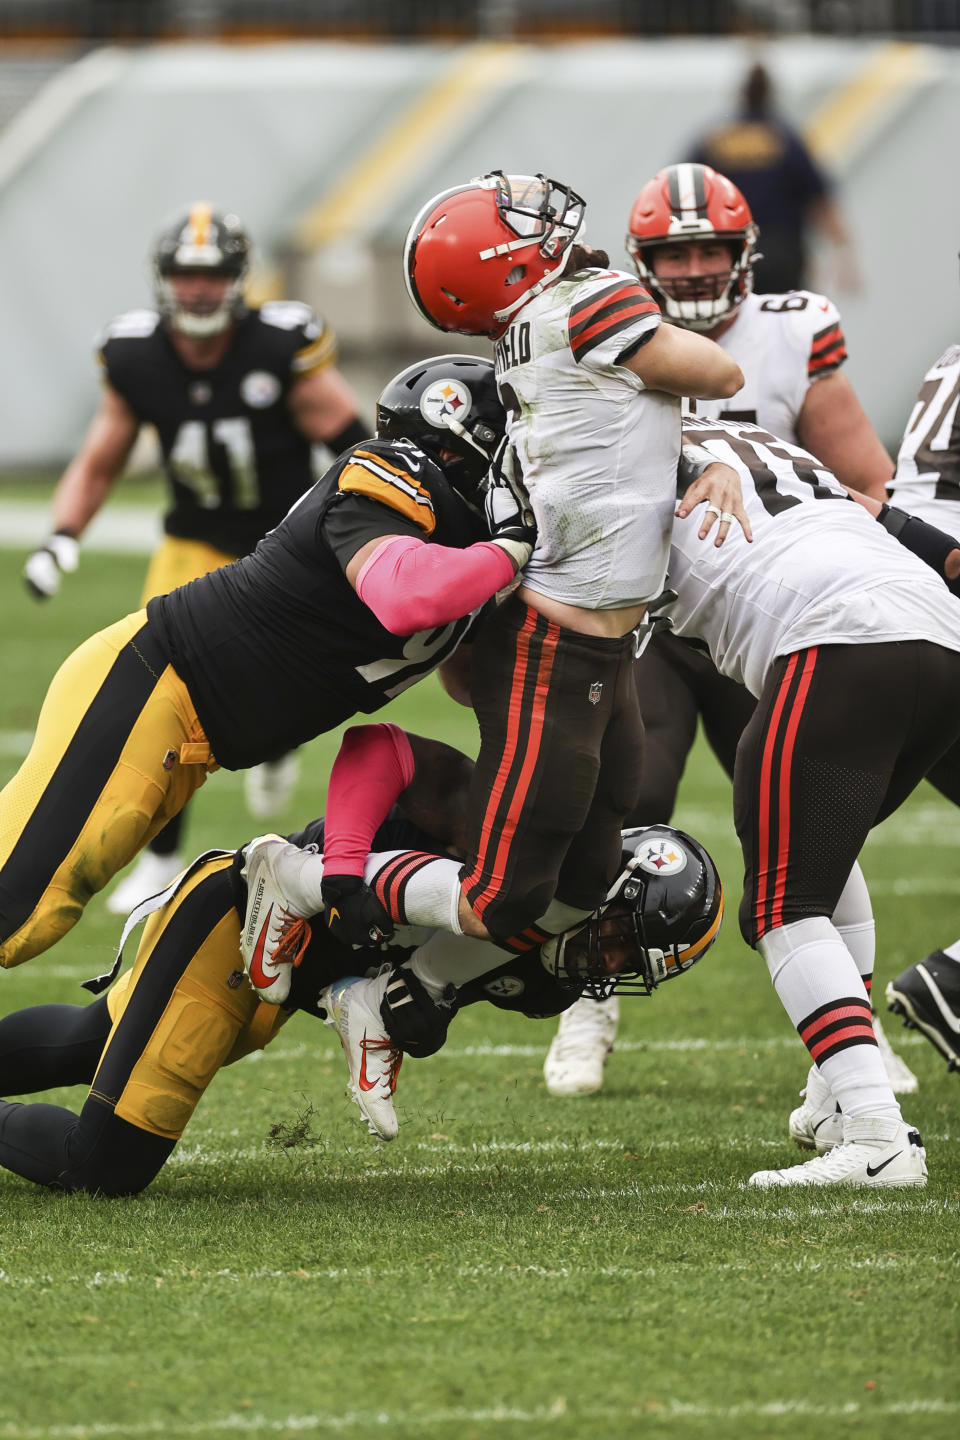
(693, 202)
(477, 253)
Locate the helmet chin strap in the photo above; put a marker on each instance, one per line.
(548, 277)
(523, 242)
(465, 435)
(545, 280)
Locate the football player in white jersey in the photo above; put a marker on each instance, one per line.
(853, 649)
(693, 243)
(927, 484)
(592, 383)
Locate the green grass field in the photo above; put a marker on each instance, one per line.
(512, 1265)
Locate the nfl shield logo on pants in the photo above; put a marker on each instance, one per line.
(595, 691)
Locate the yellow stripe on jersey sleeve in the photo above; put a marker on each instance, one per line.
(316, 355)
(369, 475)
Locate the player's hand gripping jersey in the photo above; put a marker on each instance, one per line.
(927, 481)
(234, 460)
(283, 629)
(820, 570)
(783, 344)
(597, 450)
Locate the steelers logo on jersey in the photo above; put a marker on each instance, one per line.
(445, 400)
(259, 389)
(661, 856)
(505, 986)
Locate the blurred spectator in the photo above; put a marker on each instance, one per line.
(787, 191)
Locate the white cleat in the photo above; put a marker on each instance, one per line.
(584, 1039)
(268, 788)
(151, 874)
(901, 1077)
(875, 1152)
(353, 1009)
(817, 1124)
(275, 935)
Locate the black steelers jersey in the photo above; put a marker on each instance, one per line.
(278, 647)
(233, 457)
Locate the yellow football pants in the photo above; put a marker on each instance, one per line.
(118, 750)
(183, 1010)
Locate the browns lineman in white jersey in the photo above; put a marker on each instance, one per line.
(581, 367)
(693, 243)
(927, 484)
(852, 647)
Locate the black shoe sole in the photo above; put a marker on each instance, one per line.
(901, 1004)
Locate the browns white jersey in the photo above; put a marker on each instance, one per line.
(820, 570)
(927, 479)
(597, 450)
(783, 344)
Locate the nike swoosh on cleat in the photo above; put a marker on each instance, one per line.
(362, 1080)
(260, 980)
(875, 1169)
(825, 1119)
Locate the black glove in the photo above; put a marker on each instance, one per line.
(416, 1024)
(59, 555)
(353, 913)
(508, 510)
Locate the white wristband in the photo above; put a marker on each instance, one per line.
(518, 550)
(65, 551)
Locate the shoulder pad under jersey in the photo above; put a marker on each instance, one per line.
(287, 314)
(391, 473)
(132, 325)
(813, 327)
(949, 357)
(610, 301)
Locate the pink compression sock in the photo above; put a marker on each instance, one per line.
(374, 765)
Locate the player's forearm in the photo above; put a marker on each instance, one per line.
(934, 547)
(410, 585)
(681, 362)
(79, 495)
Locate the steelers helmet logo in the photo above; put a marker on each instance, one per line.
(661, 856)
(445, 400)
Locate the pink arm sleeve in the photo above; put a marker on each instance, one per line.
(375, 763)
(410, 585)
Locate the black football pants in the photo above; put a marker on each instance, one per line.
(50, 1045)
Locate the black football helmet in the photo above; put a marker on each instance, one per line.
(662, 913)
(448, 402)
(202, 240)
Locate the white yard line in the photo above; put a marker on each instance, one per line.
(657, 1412)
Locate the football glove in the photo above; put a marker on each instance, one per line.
(416, 1024)
(59, 555)
(353, 913)
(507, 507)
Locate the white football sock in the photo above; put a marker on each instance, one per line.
(854, 922)
(820, 988)
(447, 959)
(417, 888)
